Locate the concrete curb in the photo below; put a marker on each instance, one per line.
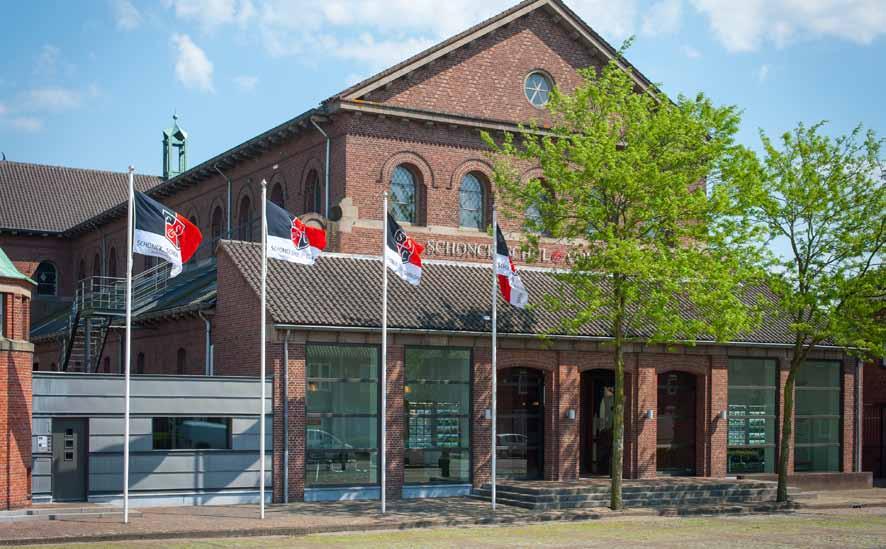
(292, 531)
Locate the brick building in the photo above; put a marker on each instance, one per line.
(708, 410)
(16, 354)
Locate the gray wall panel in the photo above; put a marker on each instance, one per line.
(98, 397)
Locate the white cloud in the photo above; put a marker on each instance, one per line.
(246, 83)
(763, 73)
(192, 68)
(690, 52)
(751, 24)
(27, 124)
(52, 99)
(662, 17)
(210, 14)
(126, 15)
(380, 54)
(47, 60)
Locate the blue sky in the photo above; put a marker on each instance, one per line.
(93, 83)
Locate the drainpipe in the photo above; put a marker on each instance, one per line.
(859, 365)
(208, 366)
(286, 417)
(230, 233)
(325, 170)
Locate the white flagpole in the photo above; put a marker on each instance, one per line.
(494, 414)
(384, 354)
(264, 282)
(130, 222)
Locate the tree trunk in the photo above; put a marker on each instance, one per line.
(618, 406)
(787, 432)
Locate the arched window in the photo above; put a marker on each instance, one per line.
(534, 220)
(97, 265)
(313, 196)
(81, 270)
(244, 220)
(181, 361)
(277, 195)
(217, 227)
(471, 203)
(403, 194)
(112, 263)
(140, 363)
(46, 276)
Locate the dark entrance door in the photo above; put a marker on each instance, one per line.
(597, 390)
(69, 440)
(520, 426)
(676, 424)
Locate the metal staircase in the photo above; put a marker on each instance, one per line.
(98, 302)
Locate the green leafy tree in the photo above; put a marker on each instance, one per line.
(648, 195)
(823, 202)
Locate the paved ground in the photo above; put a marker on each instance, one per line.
(807, 529)
(816, 524)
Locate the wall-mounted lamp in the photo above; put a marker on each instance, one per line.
(487, 414)
(650, 414)
(570, 413)
(722, 414)
(407, 389)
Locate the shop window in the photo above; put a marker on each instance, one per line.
(97, 265)
(471, 202)
(140, 363)
(106, 365)
(438, 397)
(191, 433)
(342, 404)
(81, 270)
(404, 193)
(752, 415)
(46, 277)
(313, 196)
(244, 220)
(818, 418)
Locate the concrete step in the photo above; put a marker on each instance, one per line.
(58, 513)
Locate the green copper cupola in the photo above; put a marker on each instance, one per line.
(175, 150)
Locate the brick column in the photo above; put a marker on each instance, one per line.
(647, 429)
(719, 398)
(782, 381)
(275, 360)
(396, 422)
(568, 398)
(297, 382)
(849, 409)
(481, 428)
(629, 467)
(551, 421)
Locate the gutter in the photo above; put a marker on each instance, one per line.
(419, 331)
(325, 169)
(228, 207)
(208, 355)
(286, 417)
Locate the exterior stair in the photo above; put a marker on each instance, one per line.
(99, 302)
(701, 493)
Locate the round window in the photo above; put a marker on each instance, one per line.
(538, 88)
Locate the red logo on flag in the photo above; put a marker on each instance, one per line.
(174, 228)
(405, 246)
(299, 235)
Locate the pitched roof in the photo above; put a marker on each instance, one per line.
(8, 270)
(345, 291)
(582, 31)
(53, 199)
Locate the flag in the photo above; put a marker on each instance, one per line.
(509, 282)
(289, 239)
(402, 254)
(161, 232)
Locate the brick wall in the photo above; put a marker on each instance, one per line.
(236, 322)
(16, 356)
